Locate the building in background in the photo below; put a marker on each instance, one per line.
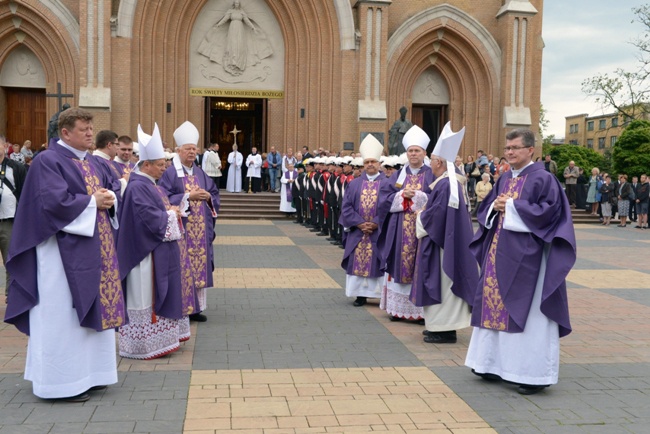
(599, 133)
(284, 73)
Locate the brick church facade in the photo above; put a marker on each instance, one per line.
(285, 73)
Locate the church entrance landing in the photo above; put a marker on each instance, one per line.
(247, 115)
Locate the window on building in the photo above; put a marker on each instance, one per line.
(573, 142)
(590, 126)
(590, 143)
(576, 127)
(615, 121)
(601, 143)
(602, 124)
(571, 131)
(612, 141)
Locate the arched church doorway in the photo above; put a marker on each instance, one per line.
(430, 104)
(23, 113)
(432, 119)
(240, 119)
(26, 116)
(247, 115)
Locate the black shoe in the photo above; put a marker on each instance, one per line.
(322, 234)
(96, 388)
(421, 321)
(529, 389)
(314, 229)
(82, 397)
(341, 246)
(336, 243)
(440, 337)
(487, 377)
(297, 222)
(394, 318)
(198, 317)
(360, 301)
(330, 239)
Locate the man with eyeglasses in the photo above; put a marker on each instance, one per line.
(106, 146)
(526, 247)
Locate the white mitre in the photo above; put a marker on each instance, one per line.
(371, 148)
(416, 136)
(151, 146)
(187, 133)
(447, 147)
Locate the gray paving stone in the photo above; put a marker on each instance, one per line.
(56, 414)
(114, 426)
(26, 429)
(68, 428)
(248, 231)
(262, 256)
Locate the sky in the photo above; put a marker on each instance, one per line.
(583, 38)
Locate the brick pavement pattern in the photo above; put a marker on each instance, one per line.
(284, 351)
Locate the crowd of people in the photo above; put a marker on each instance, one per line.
(405, 227)
(125, 238)
(118, 241)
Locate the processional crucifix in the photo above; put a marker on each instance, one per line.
(234, 132)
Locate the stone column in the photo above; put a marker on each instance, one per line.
(372, 40)
(95, 54)
(515, 17)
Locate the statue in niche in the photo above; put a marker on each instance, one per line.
(396, 133)
(246, 44)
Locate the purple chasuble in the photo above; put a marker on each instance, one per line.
(360, 203)
(510, 260)
(199, 225)
(450, 230)
(398, 243)
(56, 191)
(143, 222)
(123, 168)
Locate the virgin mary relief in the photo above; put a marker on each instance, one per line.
(236, 47)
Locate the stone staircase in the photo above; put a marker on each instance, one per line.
(266, 206)
(582, 216)
(254, 206)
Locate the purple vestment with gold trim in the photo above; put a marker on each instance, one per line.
(360, 204)
(398, 242)
(57, 190)
(199, 225)
(450, 230)
(510, 260)
(143, 222)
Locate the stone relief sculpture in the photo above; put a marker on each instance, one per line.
(396, 133)
(238, 44)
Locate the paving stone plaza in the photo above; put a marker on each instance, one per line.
(284, 351)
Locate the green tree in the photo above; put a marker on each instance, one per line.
(584, 158)
(631, 153)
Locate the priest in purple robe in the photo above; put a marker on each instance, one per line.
(125, 151)
(526, 247)
(158, 294)
(446, 273)
(65, 291)
(399, 201)
(361, 259)
(105, 151)
(185, 180)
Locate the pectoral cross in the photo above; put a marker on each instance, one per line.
(234, 132)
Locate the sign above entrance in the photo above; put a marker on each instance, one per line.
(270, 94)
